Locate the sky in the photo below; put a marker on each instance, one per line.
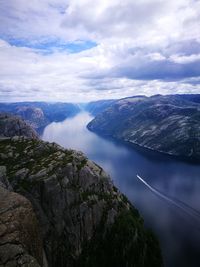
(84, 50)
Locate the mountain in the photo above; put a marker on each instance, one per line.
(168, 124)
(12, 125)
(58, 111)
(95, 107)
(40, 114)
(32, 115)
(60, 209)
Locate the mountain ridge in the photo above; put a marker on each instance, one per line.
(40, 114)
(168, 124)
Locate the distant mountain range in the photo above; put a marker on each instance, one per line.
(40, 114)
(168, 124)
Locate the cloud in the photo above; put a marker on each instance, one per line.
(80, 50)
(175, 68)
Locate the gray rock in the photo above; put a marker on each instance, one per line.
(76, 205)
(20, 242)
(3, 179)
(11, 126)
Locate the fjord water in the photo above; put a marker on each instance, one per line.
(165, 190)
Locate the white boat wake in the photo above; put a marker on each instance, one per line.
(178, 203)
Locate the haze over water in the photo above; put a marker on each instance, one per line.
(167, 195)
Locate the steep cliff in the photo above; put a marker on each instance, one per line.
(20, 240)
(33, 116)
(84, 220)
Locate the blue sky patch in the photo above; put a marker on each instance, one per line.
(51, 46)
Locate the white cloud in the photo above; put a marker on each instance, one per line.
(153, 21)
(185, 59)
(142, 47)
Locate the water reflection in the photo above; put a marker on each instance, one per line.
(179, 233)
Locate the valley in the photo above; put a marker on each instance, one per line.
(178, 231)
(149, 146)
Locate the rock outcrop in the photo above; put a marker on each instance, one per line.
(84, 220)
(20, 240)
(168, 124)
(13, 126)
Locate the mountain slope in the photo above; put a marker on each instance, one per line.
(169, 124)
(95, 107)
(84, 220)
(40, 114)
(32, 115)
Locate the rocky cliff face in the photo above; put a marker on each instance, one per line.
(13, 126)
(33, 116)
(169, 124)
(84, 220)
(20, 240)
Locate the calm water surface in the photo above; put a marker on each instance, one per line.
(167, 195)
